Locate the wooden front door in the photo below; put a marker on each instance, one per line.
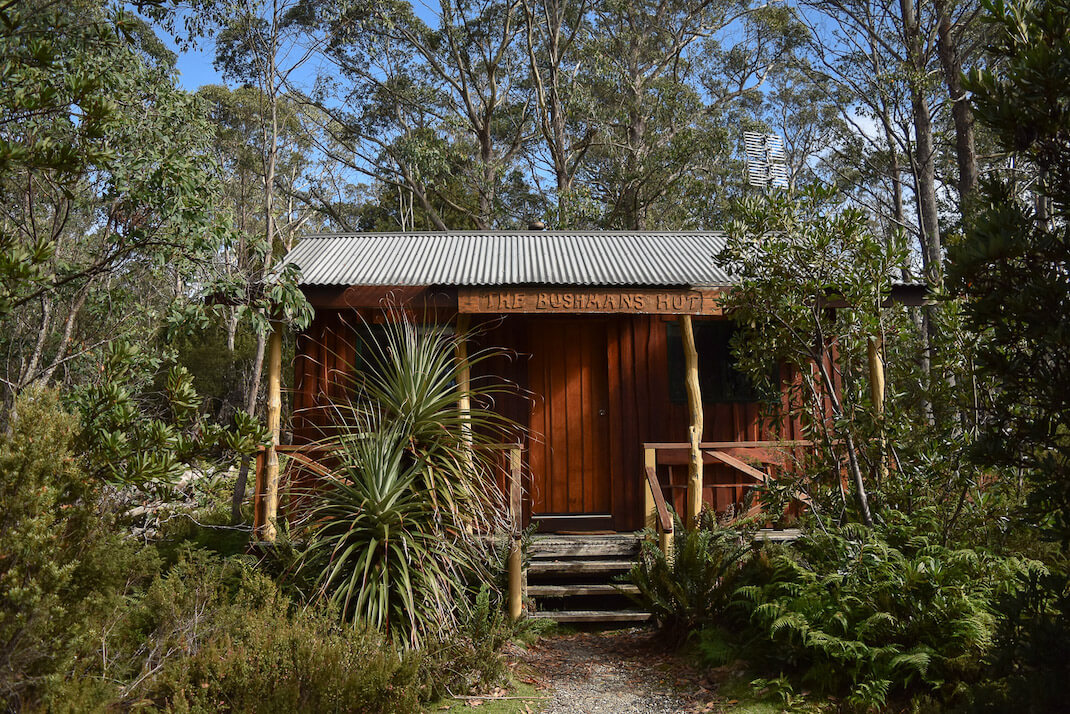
(568, 452)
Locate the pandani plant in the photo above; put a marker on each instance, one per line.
(398, 539)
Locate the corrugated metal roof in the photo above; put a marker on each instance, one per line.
(521, 258)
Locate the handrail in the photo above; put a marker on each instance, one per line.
(313, 465)
(302, 454)
(299, 448)
(732, 454)
(659, 500)
(754, 473)
(685, 445)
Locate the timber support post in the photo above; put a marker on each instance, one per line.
(876, 393)
(657, 511)
(694, 405)
(515, 564)
(665, 543)
(274, 424)
(464, 380)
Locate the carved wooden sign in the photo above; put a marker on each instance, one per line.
(588, 300)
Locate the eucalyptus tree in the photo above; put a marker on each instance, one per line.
(959, 39)
(915, 63)
(804, 110)
(253, 44)
(556, 32)
(302, 201)
(52, 120)
(899, 66)
(662, 76)
(437, 111)
(264, 44)
(858, 55)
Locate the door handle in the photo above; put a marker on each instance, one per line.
(601, 412)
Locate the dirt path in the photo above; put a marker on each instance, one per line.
(615, 672)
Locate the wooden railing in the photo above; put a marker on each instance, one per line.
(303, 455)
(663, 522)
(733, 454)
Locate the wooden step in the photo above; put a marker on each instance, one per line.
(784, 535)
(593, 615)
(569, 590)
(592, 546)
(579, 567)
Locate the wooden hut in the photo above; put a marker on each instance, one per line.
(627, 384)
(622, 350)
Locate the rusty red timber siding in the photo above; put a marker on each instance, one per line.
(637, 384)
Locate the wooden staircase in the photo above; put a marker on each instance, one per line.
(576, 578)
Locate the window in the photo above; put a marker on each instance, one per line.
(375, 344)
(718, 377)
(370, 339)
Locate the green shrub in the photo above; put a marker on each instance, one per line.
(64, 568)
(870, 613)
(1029, 665)
(696, 585)
(716, 646)
(214, 635)
(89, 623)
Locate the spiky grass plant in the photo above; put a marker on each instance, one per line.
(400, 535)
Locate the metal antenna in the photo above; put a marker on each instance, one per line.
(765, 160)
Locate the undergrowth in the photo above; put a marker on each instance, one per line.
(868, 617)
(92, 619)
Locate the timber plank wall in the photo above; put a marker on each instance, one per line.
(639, 408)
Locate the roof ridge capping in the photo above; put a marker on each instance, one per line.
(446, 234)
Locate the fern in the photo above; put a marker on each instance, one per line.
(915, 662)
(868, 614)
(698, 584)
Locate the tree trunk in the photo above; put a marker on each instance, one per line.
(271, 152)
(925, 176)
(925, 158)
(548, 95)
(824, 365)
(961, 111)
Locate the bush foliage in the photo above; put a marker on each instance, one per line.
(865, 615)
(63, 565)
(92, 620)
(244, 646)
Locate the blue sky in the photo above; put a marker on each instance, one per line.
(195, 68)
